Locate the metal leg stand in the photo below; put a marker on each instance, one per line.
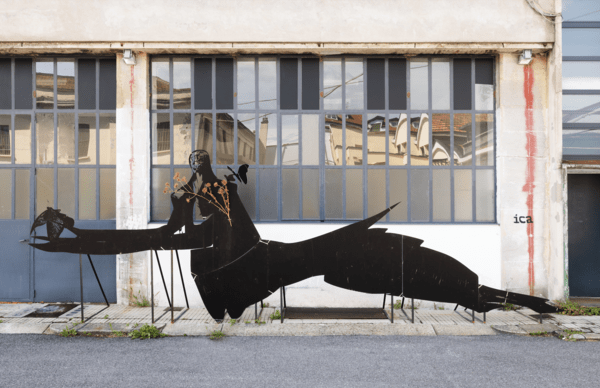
(413, 309)
(152, 286)
(402, 306)
(392, 296)
(163, 278)
(81, 285)
(541, 318)
(103, 294)
(284, 298)
(472, 316)
(172, 293)
(255, 312)
(484, 320)
(182, 283)
(384, 295)
(281, 302)
(455, 307)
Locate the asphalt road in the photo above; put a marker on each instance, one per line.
(486, 361)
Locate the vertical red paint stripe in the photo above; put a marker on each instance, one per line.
(530, 173)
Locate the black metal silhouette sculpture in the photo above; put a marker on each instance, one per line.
(235, 268)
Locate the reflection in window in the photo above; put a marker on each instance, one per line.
(5, 146)
(440, 83)
(440, 130)
(289, 140)
(581, 109)
(310, 140)
(22, 139)
(225, 126)
(484, 139)
(44, 133)
(182, 137)
(376, 139)
(267, 140)
(84, 140)
(161, 94)
(354, 140)
(419, 83)
(419, 140)
(182, 92)
(246, 97)
(578, 75)
(246, 126)
(267, 84)
(204, 133)
(354, 84)
(332, 83)
(398, 140)
(65, 84)
(463, 146)
(44, 83)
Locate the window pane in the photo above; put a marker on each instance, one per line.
(5, 139)
(65, 83)
(419, 83)
(377, 192)
(290, 193)
(44, 83)
(581, 109)
(161, 204)
(5, 84)
(108, 84)
(267, 139)
(462, 84)
(484, 139)
(225, 125)
(246, 126)
(268, 194)
(398, 140)
(463, 196)
(182, 137)
(354, 84)
(419, 140)
(375, 84)
(267, 83)
(399, 193)
(182, 84)
(66, 191)
(332, 84)
(6, 194)
(333, 140)
(288, 83)
(581, 142)
(289, 140)
(441, 195)
(581, 75)
(87, 138)
(333, 194)
(247, 193)
(310, 83)
(440, 83)
(108, 190)
(580, 10)
(86, 83)
(161, 138)
(484, 84)
(23, 139)
(224, 83)
(23, 93)
(108, 138)
(419, 193)
(45, 138)
(440, 151)
(310, 140)
(22, 194)
(354, 140)
(204, 133)
(376, 139)
(66, 138)
(580, 42)
(246, 86)
(485, 195)
(310, 194)
(44, 186)
(397, 83)
(462, 139)
(354, 193)
(161, 97)
(203, 83)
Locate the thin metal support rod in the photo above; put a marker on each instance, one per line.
(413, 309)
(484, 320)
(472, 316)
(455, 307)
(261, 305)
(152, 285)
(281, 303)
(163, 278)
(81, 285)
(255, 311)
(392, 296)
(284, 298)
(182, 283)
(384, 295)
(100, 284)
(402, 306)
(541, 318)
(172, 292)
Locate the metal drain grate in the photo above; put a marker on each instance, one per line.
(333, 313)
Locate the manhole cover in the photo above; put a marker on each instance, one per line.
(52, 311)
(333, 313)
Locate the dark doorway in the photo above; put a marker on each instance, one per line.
(584, 234)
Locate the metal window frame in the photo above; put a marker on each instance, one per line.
(321, 112)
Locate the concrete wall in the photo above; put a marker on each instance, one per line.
(274, 21)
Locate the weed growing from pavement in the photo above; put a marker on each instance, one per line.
(146, 332)
(539, 334)
(1, 321)
(398, 305)
(68, 332)
(216, 335)
(232, 322)
(106, 316)
(573, 308)
(570, 333)
(275, 315)
(116, 333)
(139, 300)
(509, 307)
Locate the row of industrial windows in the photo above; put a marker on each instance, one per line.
(58, 137)
(581, 80)
(332, 139)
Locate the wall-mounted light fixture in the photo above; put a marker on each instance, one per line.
(128, 57)
(525, 57)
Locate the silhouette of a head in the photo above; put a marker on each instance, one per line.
(198, 159)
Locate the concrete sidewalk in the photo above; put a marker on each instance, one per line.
(103, 320)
